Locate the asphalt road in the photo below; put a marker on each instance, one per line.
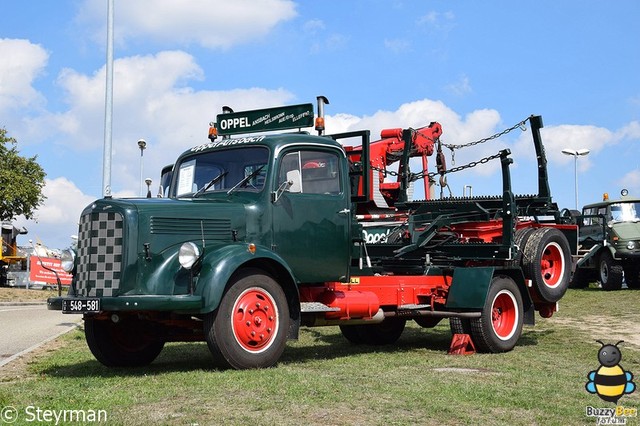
(25, 327)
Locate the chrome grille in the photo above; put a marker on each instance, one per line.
(99, 254)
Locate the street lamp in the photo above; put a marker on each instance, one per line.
(575, 155)
(148, 182)
(142, 144)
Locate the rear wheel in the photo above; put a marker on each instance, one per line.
(460, 325)
(500, 324)
(127, 343)
(384, 333)
(249, 328)
(611, 273)
(546, 261)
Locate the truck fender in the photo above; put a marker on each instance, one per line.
(219, 265)
(470, 286)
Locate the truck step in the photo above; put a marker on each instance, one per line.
(413, 307)
(310, 307)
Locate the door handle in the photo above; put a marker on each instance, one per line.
(344, 211)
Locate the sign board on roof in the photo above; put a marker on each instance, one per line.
(269, 119)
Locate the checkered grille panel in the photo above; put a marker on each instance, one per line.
(99, 254)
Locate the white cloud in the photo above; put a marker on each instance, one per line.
(460, 87)
(557, 138)
(209, 23)
(22, 63)
(441, 21)
(57, 220)
(313, 26)
(397, 45)
(630, 181)
(153, 101)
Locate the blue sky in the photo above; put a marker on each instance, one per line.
(476, 67)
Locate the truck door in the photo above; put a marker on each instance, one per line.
(592, 227)
(311, 217)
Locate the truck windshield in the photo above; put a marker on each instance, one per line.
(222, 170)
(625, 212)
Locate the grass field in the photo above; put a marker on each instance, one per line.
(323, 380)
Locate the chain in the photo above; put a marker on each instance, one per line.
(521, 125)
(421, 175)
(470, 165)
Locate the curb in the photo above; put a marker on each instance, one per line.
(35, 302)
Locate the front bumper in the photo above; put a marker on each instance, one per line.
(177, 303)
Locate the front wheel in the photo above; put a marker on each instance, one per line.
(611, 273)
(249, 328)
(500, 324)
(127, 343)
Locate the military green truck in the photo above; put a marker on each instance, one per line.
(609, 244)
(263, 233)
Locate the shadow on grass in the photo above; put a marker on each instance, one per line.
(315, 344)
(318, 345)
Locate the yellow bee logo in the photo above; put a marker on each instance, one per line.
(610, 381)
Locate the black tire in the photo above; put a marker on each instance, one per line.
(610, 272)
(249, 328)
(427, 322)
(500, 324)
(547, 263)
(632, 277)
(384, 333)
(460, 325)
(520, 238)
(127, 343)
(579, 279)
(352, 333)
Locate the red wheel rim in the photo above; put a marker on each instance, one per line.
(255, 320)
(552, 265)
(504, 315)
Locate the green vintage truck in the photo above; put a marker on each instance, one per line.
(609, 244)
(261, 233)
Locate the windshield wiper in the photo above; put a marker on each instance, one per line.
(246, 179)
(210, 184)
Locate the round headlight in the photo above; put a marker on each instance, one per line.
(188, 254)
(631, 245)
(68, 260)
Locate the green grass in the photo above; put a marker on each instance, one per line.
(323, 380)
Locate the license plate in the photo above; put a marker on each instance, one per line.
(80, 306)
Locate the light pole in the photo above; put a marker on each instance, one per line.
(142, 144)
(575, 154)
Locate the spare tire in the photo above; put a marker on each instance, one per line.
(547, 263)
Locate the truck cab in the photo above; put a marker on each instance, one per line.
(609, 244)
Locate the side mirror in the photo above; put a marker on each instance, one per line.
(293, 176)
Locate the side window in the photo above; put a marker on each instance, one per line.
(591, 220)
(318, 171)
(602, 211)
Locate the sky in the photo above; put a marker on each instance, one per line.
(476, 67)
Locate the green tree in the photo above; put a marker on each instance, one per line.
(21, 181)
